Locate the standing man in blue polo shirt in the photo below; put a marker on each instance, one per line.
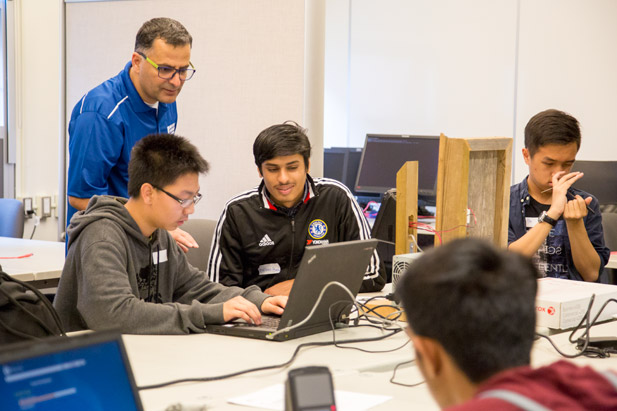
(108, 121)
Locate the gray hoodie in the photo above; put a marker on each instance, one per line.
(115, 277)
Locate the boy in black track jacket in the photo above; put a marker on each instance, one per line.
(261, 234)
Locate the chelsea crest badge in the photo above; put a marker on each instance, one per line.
(318, 229)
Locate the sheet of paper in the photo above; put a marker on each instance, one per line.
(273, 398)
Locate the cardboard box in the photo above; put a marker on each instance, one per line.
(561, 304)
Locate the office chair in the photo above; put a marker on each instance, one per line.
(202, 231)
(11, 218)
(609, 225)
(600, 180)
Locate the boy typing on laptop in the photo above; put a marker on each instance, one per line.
(123, 270)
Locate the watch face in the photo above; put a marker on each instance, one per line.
(544, 218)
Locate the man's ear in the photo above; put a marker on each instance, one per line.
(526, 155)
(430, 352)
(308, 167)
(259, 172)
(136, 60)
(146, 192)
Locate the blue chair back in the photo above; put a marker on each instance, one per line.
(11, 218)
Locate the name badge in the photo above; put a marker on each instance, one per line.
(269, 269)
(159, 256)
(531, 222)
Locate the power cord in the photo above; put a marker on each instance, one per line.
(400, 383)
(37, 220)
(312, 312)
(267, 367)
(298, 348)
(583, 342)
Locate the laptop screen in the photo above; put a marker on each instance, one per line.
(91, 376)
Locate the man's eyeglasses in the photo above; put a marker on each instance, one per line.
(183, 203)
(167, 73)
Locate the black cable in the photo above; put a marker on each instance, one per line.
(585, 349)
(264, 368)
(400, 383)
(30, 213)
(368, 300)
(368, 310)
(288, 362)
(337, 344)
(587, 317)
(593, 322)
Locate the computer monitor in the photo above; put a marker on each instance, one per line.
(84, 372)
(600, 179)
(341, 164)
(384, 155)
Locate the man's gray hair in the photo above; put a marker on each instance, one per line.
(169, 30)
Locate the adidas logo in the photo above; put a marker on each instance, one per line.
(266, 241)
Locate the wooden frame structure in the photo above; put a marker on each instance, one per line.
(406, 208)
(473, 174)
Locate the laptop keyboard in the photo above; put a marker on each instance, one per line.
(267, 321)
(270, 321)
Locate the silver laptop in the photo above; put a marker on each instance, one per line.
(86, 372)
(345, 262)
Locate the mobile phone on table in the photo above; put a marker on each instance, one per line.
(309, 389)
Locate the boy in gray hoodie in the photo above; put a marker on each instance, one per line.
(123, 270)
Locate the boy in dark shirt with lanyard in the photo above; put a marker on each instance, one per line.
(557, 224)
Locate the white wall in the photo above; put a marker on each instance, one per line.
(38, 106)
(250, 59)
(419, 67)
(416, 67)
(568, 60)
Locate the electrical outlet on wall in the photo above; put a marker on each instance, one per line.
(28, 207)
(46, 206)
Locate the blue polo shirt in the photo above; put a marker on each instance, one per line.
(105, 125)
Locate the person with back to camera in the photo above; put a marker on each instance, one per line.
(471, 318)
(557, 224)
(124, 270)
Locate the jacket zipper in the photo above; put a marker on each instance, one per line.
(293, 238)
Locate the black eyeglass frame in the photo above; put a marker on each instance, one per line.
(183, 203)
(190, 72)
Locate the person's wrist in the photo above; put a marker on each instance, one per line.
(545, 218)
(554, 214)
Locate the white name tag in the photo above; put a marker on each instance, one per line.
(531, 222)
(269, 269)
(159, 256)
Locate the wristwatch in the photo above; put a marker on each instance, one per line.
(544, 218)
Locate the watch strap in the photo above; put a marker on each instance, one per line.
(544, 218)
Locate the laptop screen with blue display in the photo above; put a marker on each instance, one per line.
(89, 372)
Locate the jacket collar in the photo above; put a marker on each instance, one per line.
(137, 103)
(310, 191)
(523, 192)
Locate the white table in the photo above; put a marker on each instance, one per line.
(161, 358)
(42, 269)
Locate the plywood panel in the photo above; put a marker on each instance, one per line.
(473, 174)
(406, 233)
